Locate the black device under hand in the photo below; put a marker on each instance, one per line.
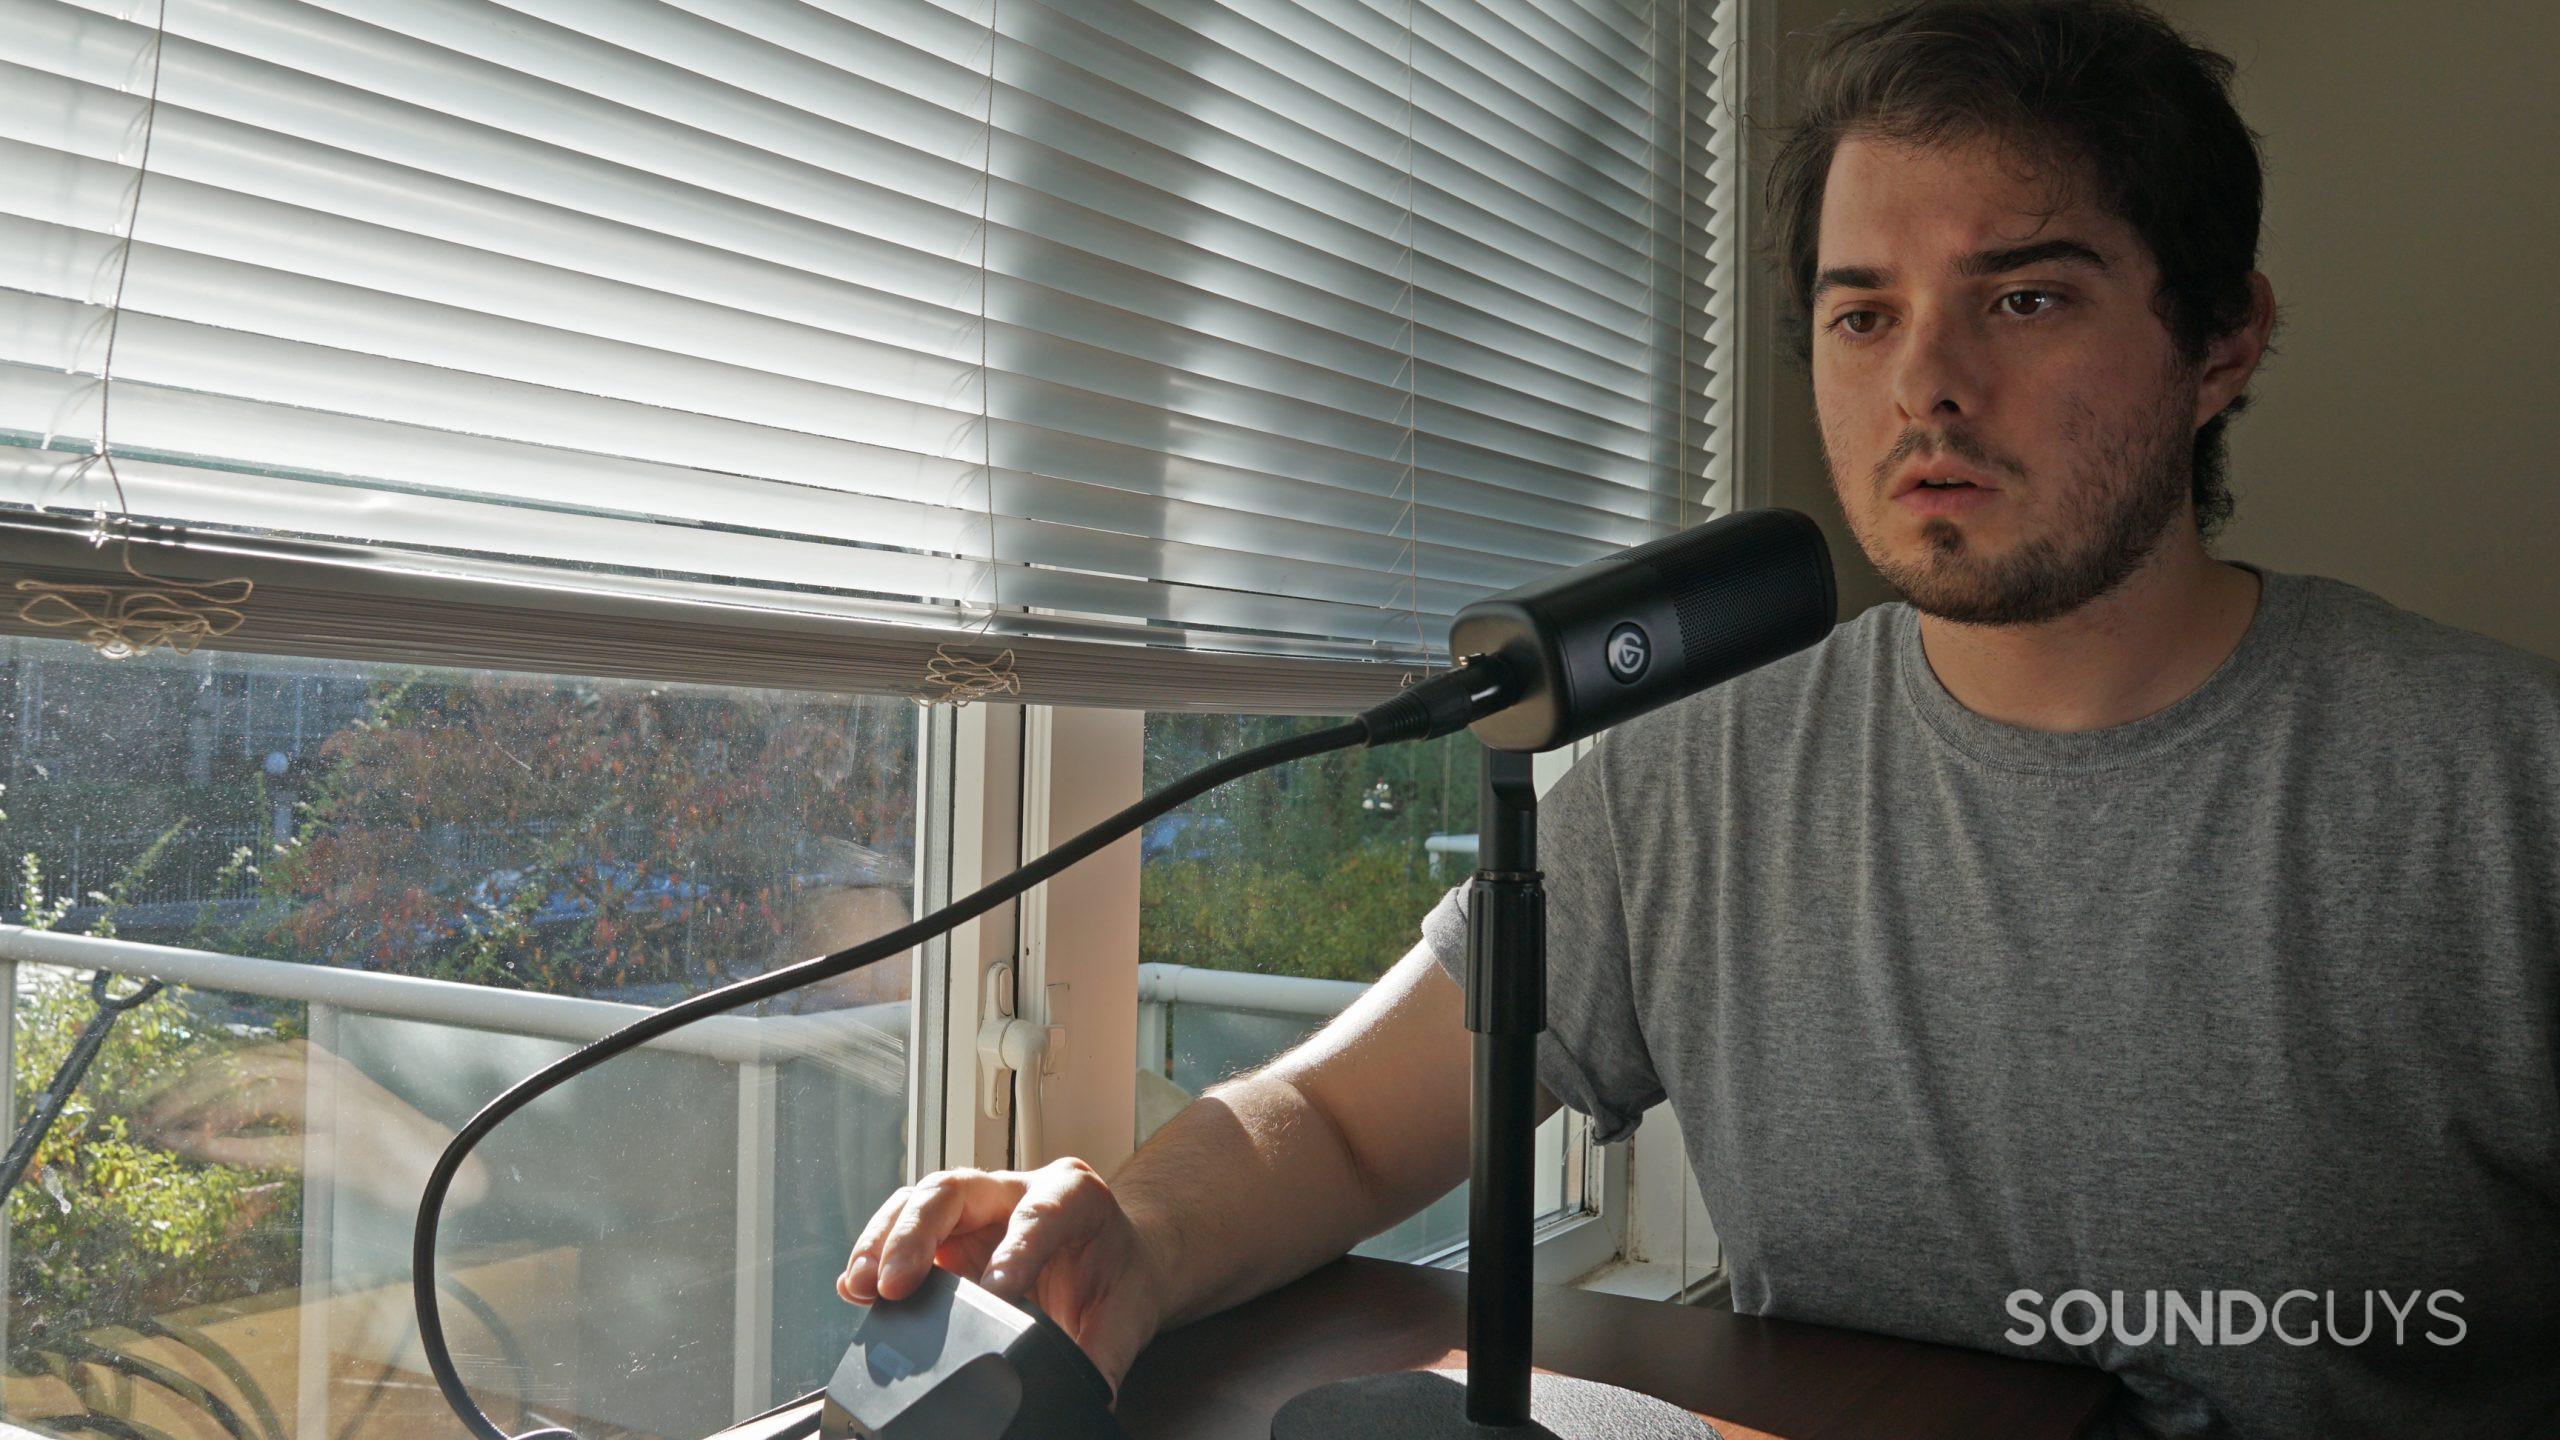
(954, 1362)
(950, 1362)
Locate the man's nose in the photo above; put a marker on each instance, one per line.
(1938, 372)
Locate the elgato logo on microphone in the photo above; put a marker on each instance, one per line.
(1587, 648)
(1630, 653)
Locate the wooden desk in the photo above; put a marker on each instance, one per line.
(1222, 1378)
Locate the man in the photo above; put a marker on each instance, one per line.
(2112, 955)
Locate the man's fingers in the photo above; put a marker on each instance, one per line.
(966, 1253)
(898, 1246)
(931, 1213)
(1040, 1226)
(860, 1282)
(266, 1085)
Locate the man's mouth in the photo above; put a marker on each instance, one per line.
(1951, 478)
(1945, 495)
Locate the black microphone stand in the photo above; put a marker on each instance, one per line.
(1506, 1009)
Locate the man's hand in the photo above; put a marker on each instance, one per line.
(1258, 1182)
(1056, 1234)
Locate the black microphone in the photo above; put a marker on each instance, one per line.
(1549, 662)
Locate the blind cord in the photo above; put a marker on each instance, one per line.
(155, 612)
(124, 268)
(119, 621)
(952, 678)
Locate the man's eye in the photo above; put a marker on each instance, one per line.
(2027, 304)
(1855, 322)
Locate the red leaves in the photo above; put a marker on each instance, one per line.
(573, 835)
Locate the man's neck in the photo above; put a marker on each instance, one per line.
(2135, 652)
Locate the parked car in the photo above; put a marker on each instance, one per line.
(1186, 837)
(576, 895)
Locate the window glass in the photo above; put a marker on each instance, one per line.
(1312, 877)
(394, 893)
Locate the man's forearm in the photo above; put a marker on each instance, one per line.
(1242, 1192)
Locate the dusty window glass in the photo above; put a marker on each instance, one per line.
(1311, 878)
(385, 895)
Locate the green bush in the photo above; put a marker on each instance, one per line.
(1316, 868)
(104, 1228)
(1349, 920)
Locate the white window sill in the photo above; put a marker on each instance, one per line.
(1639, 1280)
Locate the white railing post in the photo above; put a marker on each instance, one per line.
(1154, 1020)
(312, 1357)
(751, 1346)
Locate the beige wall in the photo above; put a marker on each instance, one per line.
(2406, 436)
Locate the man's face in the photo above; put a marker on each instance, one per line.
(1963, 328)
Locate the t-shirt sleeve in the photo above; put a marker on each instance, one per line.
(1593, 1056)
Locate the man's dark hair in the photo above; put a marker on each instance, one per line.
(2106, 93)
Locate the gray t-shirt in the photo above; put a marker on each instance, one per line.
(2257, 994)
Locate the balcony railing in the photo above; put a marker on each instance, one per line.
(441, 1048)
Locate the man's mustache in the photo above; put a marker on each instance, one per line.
(1961, 444)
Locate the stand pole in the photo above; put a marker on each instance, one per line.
(1506, 1008)
(1506, 992)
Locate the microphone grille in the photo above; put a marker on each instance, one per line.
(1746, 589)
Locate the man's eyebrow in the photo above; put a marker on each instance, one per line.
(1982, 263)
(1851, 277)
(1975, 266)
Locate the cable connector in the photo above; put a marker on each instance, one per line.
(1443, 704)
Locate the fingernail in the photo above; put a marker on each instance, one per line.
(996, 1276)
(858, 1274)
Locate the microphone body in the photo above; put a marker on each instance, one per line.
(1604, 642)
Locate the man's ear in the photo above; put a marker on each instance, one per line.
(2229, 360)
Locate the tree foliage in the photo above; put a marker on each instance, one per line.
(105, 1226)
(1316, 868)
(571, 837)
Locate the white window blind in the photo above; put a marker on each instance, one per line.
(1173, 345)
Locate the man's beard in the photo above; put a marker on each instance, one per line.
(2113, 517)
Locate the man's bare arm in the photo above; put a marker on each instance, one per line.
(1262, 1180)
(1269, 1176)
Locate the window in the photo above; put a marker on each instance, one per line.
(385, 894)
